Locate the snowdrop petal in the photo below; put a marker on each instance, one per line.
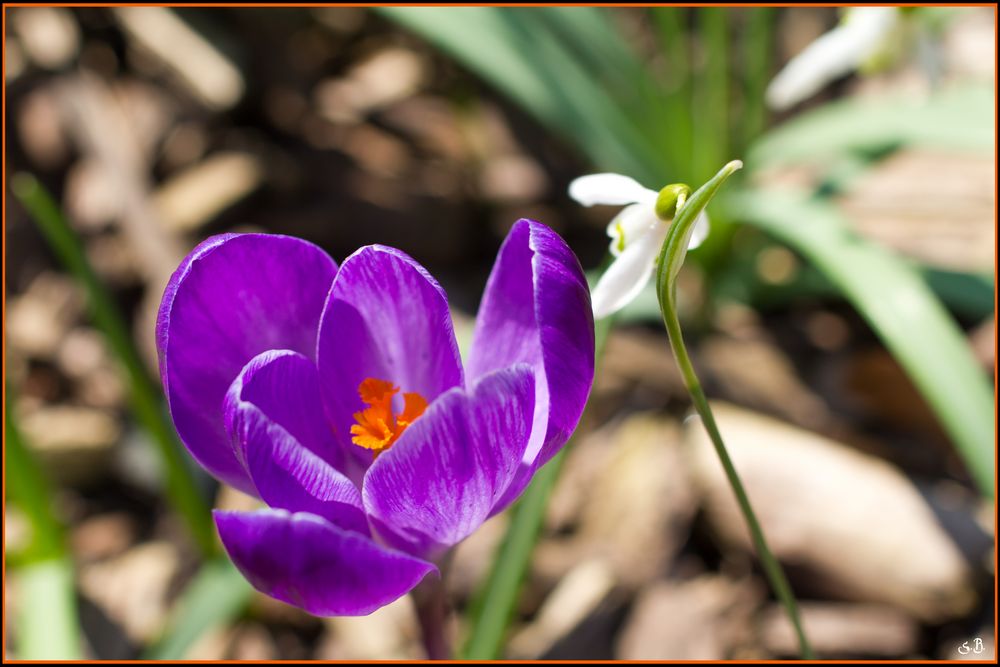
(699, 231)
(832, 55)
(633, 222)
(610, 189)
(628, 274)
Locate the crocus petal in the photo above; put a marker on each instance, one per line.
(832, 55)
(233, 297)
(386, 318)
(443, 477)
(536, 310)
(629, 273)
(312, 564)
(610, 189)
(273, 411)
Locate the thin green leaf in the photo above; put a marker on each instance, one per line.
(29, 489)
(758, 50)
(518, 52)
(495, 602)
(216, 595)
(144, 396)
(900, 308)
(968, 295)
(960, 118)
(46, 611)
(47, 625)
(676, 117)
(712, 95)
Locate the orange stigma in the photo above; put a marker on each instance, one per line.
(377, 428)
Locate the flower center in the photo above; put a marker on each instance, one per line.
(377, 427)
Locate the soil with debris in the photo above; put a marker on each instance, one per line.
(336, 126)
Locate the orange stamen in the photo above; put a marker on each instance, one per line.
(377, 428)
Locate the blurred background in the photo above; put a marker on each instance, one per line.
(841, 314)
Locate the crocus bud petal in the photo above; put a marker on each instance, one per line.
(833, 55)
(609, 189)
(628, 274)
(668, 198)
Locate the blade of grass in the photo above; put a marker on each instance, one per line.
(47, 618)
(144, 396)
(678, 115)
(47, 615)
(757, 55)
(712, 92)
(900, 308)
(217, 594)
(28, 488)
(495, 602)
(517, 52)
(960, 118)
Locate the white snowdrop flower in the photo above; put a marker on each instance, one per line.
(859, 37)
(637, 233)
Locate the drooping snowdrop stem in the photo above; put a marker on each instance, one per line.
(671, 257)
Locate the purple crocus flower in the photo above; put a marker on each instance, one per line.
(337, 396)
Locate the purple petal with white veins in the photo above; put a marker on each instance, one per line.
(272, 411)
(536, 310)
(386, 318)
(285, 386)
(445, 474)
(314, 565)
(233, 297)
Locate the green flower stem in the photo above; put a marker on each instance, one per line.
(144, 396)
(771, 566)
(670, 260)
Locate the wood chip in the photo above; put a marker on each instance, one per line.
(49, 35)
(39, 319)
(102, 536)
(842, 631)
(754, 372)
(196, 195)
(389, 633)
(577, 596)
(932, 206)
(40, 128)
(634, 494)
(75, 443)
(133, 588)
(208, 74)
(854, 521)
(702, 619)
(383, 78)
